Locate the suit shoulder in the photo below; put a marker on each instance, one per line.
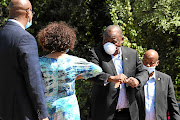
(98, 48)
(11, 29)
(75, 58)
(24, 33)
(163, 74)
(128, 49)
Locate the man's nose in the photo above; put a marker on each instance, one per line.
(115, 41)
(148, 65)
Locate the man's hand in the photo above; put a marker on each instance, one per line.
(133, 82)
(45, 118)
(117, 79)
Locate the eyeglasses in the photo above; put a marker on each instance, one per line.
(30, 10)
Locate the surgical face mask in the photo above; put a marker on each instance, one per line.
(109, 48)
(149, 69)
(67, 51)
(28, 24)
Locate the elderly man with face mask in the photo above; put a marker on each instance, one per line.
(22, 87)
(157, 97)
(113, 92)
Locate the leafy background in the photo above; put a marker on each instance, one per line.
(146, 24)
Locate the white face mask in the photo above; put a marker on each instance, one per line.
(149, 69)
(109, 48)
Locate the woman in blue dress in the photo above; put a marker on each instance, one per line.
(60, 71)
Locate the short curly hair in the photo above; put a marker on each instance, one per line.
(57, 37)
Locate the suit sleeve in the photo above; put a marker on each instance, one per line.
(29, 60)
(172, 102)
(141, 74)
(101, 78)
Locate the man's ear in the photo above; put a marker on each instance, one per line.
(157, 63)
(122, 38)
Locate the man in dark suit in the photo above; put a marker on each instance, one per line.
(21, 84)
(157, 97)
(121, 66)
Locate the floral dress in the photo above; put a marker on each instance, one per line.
(59, 76)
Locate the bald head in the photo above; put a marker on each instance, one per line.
(20, 10)
(151, 54)
(110, 31)
(111, 28)
(151, 58)
(17, 8)
(19, 4)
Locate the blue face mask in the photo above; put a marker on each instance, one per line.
(28, 24)
(67, 51)
(149, 69)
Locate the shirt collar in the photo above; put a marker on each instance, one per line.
(13, 20)
(120, 51)
(119, 55)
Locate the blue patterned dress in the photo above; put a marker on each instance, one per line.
(59, 76)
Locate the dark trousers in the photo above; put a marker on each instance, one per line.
(122, 115)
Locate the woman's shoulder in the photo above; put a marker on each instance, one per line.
(46, 61)
(43, 59)
(75, 58)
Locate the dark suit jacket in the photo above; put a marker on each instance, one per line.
(165, 100)
(21, 84)
(104, 98)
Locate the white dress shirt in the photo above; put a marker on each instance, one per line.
(122, 99)
(149, 91)
(13, 20)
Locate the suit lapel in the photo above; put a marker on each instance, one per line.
(111, 64)
(142, 96)
(142, 100)
(125, 62)
(158, 88)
